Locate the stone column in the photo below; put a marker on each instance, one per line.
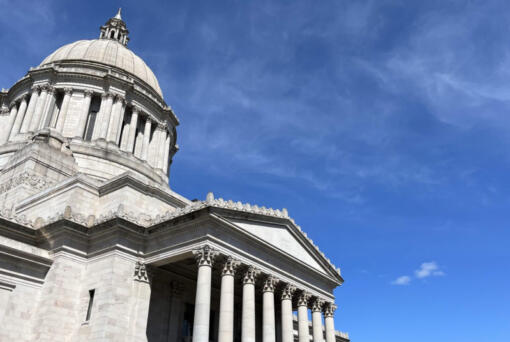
(115, 120)
(226, 323)
(146, 139)
(303, 328)
(19, 117)
(152, 153)
(205, 257)
(39, 108)
(287, 325)
(68, 92)
(10, 123)
(140, 298)
(132, 130)
(107, 101)
(84, 114)
(166, 155)
(27, 121)
(329, 322)
(161, 148)
(49, 108)
(268, 314)
(317, 321)
(248, 310)
(121, 121)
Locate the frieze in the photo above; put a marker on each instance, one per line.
(26, 178)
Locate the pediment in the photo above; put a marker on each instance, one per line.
(281, 237)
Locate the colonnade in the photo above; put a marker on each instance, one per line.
(206, 256)
(137, 133)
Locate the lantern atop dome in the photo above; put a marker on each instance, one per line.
(115, 29)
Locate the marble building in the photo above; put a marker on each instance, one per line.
(95, 246)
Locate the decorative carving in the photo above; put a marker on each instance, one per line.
(36, 88)
(205, 255)
(329, 309)
(141, 272)
(88, 93)
(303, 299)
(288, 291)
(250, 275)
(229, 267)
(270, 284)
(317, 305)
(26, 178)
(68, 91)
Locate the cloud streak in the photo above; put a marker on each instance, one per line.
(426, 270)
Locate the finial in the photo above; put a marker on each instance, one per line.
(118, 15)
(210, 197)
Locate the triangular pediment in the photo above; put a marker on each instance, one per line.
(281, 237)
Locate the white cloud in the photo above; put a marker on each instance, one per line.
(428, 269)
(403, 280)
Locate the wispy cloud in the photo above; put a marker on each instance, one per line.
(402, 280)
(426, 269)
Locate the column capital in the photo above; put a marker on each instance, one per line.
(303, 299)
(317, 305)
(229, 266)
(24, 97)
(142, 273)
(205, 255)
(119, 98)
(329, 309)
(46, 87)
(36, 88)
(51, 90)
(12, 104)
(107, 95)
(250, 275)
(270, 283)
(136, 109)
(87, 93)
(288, 291)
(68, 91)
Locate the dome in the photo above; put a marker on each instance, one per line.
(109, 52)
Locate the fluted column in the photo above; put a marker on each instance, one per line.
(303, 328)
(19, 117)
(287, 326)
(10, 123)
(205, 257)
(226, 321)
(132, 130)
(146, 139)
(107, 101)
(27, 121)
(84, 113)
(329, 311)
(268, 315)
(49, 108)
(115, 120)
(248, 311)
(161, 148)
(39, 108)
(317, 320)
(166, 155)
(68, 92)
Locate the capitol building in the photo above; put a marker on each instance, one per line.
(95, 245)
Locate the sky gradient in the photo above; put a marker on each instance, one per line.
(383, 127)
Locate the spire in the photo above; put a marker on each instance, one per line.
(118, 15)
(115, 29)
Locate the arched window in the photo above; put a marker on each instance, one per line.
(112, 34)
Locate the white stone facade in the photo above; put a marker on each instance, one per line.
(95, 246)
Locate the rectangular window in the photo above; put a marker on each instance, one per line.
(91, 302)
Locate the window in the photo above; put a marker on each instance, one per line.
(95, 104)
(91, 302)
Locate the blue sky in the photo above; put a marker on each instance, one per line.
(383, 127)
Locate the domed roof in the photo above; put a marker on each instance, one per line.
(109, 52)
